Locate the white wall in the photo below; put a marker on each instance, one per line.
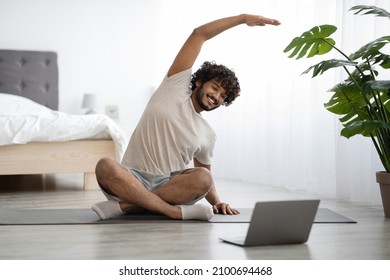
(104, 47)
(119, 49)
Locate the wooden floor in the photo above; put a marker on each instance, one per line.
(369, 239)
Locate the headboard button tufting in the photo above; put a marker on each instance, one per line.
(22, 62)
(21, 86)
(31, 74)
(47, 62)
(46, 86)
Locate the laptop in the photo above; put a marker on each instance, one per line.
(278, 222)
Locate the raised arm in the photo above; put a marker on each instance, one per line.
(191, 48)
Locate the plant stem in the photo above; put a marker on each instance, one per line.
(369, 107)
(343, 54)
(382, 157)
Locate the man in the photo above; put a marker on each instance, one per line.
(153, 175)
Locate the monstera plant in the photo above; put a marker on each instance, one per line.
(362, 100)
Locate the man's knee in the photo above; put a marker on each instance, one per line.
(202, 178)
(104, 168)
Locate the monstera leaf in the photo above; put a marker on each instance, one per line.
(379, 91)
(321, 67)
(313, 42)
(371, 51)
(346, 99)
(370, 10)
(377, 85)
(364, 127)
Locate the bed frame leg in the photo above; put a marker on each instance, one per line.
(90, 182)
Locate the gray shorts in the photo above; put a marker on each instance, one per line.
(151, 181)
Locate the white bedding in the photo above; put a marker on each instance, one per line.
(23, 121)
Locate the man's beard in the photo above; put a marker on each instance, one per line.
(198, 96)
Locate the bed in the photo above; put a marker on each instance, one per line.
(36, 138)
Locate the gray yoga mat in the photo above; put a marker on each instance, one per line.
(87, 216)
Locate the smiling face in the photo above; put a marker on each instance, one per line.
(208, 96)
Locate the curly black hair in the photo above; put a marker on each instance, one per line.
(227, 78)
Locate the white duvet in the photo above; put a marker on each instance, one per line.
(23, 121)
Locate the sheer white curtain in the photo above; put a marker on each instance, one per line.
(278, 133)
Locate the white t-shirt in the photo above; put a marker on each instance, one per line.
(170, 132)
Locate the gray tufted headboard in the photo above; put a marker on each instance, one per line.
(31, 74)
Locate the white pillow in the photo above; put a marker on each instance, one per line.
(14, 105)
